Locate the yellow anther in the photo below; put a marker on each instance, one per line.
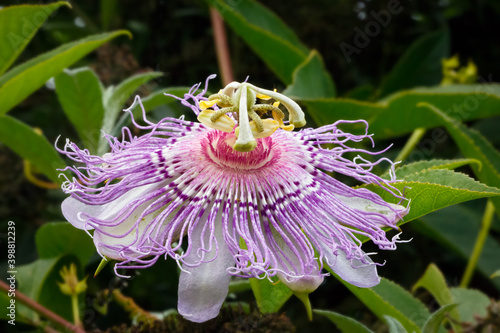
(270, 126)
(278, 116)
(223, 123)
(263, 97)
(287, 127)
(279, 119)
(207, 104)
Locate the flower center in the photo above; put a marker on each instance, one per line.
(239, 100)
(217, 147)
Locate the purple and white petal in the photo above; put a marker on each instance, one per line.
(181, 190)
(354, 271)
(204, 286)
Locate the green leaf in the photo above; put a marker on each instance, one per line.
(387, 119)
(31, 146)
(5, 303)
(434, 282)
(433, 189)
(21, 81)
(158, 98)
(270, 297)
(310, 80)
(394, 325)
(471, 303)
(80, 94)
(432, 325)
(389, 299)
(420, 65)
(50, 294)
(361, 93)
(115, 98)
(38, 281)
(30, 279)
(18, 25)
(496, 274)
(344, 323)
(55, 239)
(456, 228)
(474, 145)
(411, 168)
(266, 34)
(151, 102)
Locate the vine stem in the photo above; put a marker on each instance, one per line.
(28, 173)
(478, 247)
(128, 304)
(37, 307)
(221, 47)
(76, 310)
(411, 144)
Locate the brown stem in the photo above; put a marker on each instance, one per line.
(221, 47)
(129, 305)
(41, 309)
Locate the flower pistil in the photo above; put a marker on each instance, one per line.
(239, 100)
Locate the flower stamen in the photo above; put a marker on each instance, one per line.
(221, 100)
(222, 112)
(278, 115)
(255, 117)
(207, 104)
(240, 100)
(221, 123)
(269, 127)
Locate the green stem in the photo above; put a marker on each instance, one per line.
(134, 310)
(410, 144)
(76, 310)
(304, 298)
(478, 247)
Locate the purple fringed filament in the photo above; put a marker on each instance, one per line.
(233, 195)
